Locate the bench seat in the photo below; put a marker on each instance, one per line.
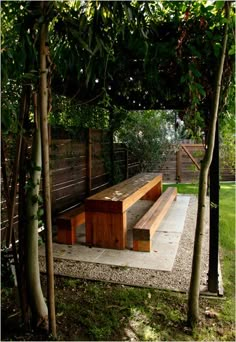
(145, 228)
(67, 223)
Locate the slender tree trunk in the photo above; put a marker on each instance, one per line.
(194, 290)
(37, 303)
(22, 285)
(46, 170)
(19, 258)
(16, 171)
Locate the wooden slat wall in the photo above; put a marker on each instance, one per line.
(68, 173)
(69, 170)
(69, 165)
(72, 181)
(186, 170)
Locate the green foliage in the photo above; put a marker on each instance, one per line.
(10, 98)
(71, 115)
(132, 32)
(227, 131)
(148, 137)
(7, 278)
(19, 56)
(101, 47)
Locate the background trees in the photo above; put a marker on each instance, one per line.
(150, 137)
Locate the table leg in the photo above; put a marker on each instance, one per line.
(106, 230)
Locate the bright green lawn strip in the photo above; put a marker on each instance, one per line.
(227, 242)
(184, 188)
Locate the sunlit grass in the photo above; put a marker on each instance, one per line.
(227, 243)
(184, 188)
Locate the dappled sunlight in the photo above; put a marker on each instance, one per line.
(140, 326)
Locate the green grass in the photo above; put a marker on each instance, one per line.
(227, 243)
(184, 188)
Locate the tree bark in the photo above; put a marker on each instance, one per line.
(194, 290)
(46, 170)
(22, 285)
(13, 192)
(19, 258)
(37, 303)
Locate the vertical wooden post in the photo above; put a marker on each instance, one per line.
(179, 165)
(89, 162)
(126, 163)
(213, 284)
(111, 132)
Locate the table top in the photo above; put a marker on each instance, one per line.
(122, 195)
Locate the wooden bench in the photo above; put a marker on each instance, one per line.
(67, 223)
(145, 228)
(105, 212)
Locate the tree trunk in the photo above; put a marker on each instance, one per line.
(37, 303)
(194, 290)
(19, 258)
(46, 169)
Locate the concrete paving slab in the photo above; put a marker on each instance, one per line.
(164, 245)
(174, 219)
(136, 259)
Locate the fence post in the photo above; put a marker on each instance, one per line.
(111, 134)
(126, 163)
(179, 165)
(89, 162)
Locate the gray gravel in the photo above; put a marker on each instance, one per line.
(177, 279)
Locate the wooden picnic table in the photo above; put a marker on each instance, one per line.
(105, 212)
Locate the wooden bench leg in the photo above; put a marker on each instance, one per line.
(66, 232)
(67, 223)
(106, 230)
(142, 246)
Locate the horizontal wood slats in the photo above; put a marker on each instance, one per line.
(81, 165)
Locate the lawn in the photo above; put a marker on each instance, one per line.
(92, 310)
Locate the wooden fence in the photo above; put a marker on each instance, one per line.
(81, 167)
(184, 166)
(87, 162)
(81, 164)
